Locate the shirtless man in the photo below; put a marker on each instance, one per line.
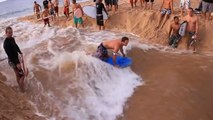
(167, 10)
(192, 28)
(45, 14)
(66, 8)
(51, 9)
(174, 29)
(12, 50)
(37, 9)
(77, 13)
(56, 3)
(115, 45)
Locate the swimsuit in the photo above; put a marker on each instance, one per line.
(78, 20)
(46, 21)
(192, 39)
(174, 40)
(101, 52)
(166, 11)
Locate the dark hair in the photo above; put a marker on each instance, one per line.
(190, 8)
(123, 39)
(74, 1)
(8, 28)
(176, 17)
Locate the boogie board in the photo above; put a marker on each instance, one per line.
(120, 61)
(182, 29)
(91, 12)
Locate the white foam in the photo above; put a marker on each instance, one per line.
(2, 1)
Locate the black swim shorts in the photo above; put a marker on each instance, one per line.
(101, 52)
(14, 66)
(149, 0)
(100, 20)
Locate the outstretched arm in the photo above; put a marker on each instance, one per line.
(115, 51)
(121, 49)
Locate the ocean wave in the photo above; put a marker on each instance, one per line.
(2, 1)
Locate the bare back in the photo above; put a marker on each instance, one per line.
(113, 44)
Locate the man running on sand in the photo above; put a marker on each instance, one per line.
(192, 28)
(45, 15)
(115, 45)
(174, 29)
(37, 9)
(167, 10)
(66, 8)
(12, 50)
(56, 3)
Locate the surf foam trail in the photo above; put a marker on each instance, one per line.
(64, 81)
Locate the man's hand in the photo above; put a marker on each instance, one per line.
(124, 55)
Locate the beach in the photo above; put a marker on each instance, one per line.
(67, 83)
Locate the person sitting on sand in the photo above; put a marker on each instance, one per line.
(77, 13)
(66, 8)
(115, 45)
(192, 28)
(146, 1)
(184, 4)
(37, 9)
(45, 15)
(12, 50)
(51, 9)
(174, 29)
(56, 3)
(99, 15)
(167, 10)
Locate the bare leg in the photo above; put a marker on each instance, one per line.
(151, 5)
(19, 78)
(145, 5)
(159, 21)
(166, 18)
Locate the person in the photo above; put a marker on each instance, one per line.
(146, 1)
(199, 8)
(45, 4)
(184, 4)
(114, 5)
(174, 38)
(12, 50)
(207, 8)
(99, 15)
(192, 29)
(66, 8)
(167, 10)
(37, 9)
(77, 13)
(45, 15)
(56, 3)
(133, 2)
(108, 4)
(115, 45)
(51, 9)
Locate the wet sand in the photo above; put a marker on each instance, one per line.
(177, 87)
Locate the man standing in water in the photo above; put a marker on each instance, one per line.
(99, 15)
(12, 50)
(174, 29)
(56, 3)
(77, 14)
(66, 8)
(167, 10)
(37, 9)
(45, 15)
(192, 29)
(115, 45)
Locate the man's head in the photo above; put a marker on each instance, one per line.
(190, 11)
(176, 19)
(100, 1)
(35, 2)
(125, 41)
(9, 32)
(50, 1)
(73, 1)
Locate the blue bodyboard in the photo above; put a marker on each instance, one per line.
(120, 61)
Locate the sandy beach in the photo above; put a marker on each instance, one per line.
(177, 86)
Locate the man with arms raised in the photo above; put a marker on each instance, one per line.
(12, 50)
(192, 28)
(115, 45)
(167, 10)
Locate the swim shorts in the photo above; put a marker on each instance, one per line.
(102, 52)
(166, 11)
(66, 10)
(191, 39)
(174, 40)
(207, 7)
(52, 11)
(13, 65)
(100, 20)
(46, 21)
(149, 0)
(56, 9)
(78, 20)
(185, 4)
